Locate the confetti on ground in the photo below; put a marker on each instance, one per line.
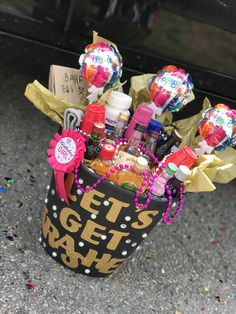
(217, 298)
(11, 237)
(178, 312)
(2, 190)
(209, 205)
(29, 285)
(222, 229)
(231, 296)
(206, 289)
(162, 270)
(32, 179)
(215, 242)
(10, 181)
(19, 203)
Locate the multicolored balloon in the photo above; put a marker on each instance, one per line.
(217, 129)
(171, 88)
(101, 66)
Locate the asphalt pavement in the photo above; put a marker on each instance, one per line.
(187, 267)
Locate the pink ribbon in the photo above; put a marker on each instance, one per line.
(64, 156)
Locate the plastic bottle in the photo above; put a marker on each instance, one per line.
(150, 145)
(128, 153)
(153, 125)
(132, 179)
(163, 150)
(160, 182)
(142, 116)
(93, 146)
(116, 103)
(120, 126)
(180, 176)
(103, 164)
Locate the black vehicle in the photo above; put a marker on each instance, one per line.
(196, 35)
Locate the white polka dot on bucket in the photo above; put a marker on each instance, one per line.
(103, 237)
(54, 207)
(79, 192)
(93, 216)
(123, 226)
(127, 218)
(87, 271)
(134, 244)
(144, 235)
(54, 215)
(46, 200)
(40, 239)
(106, 203)
(128, 241)
(81, 244)
(54, 254)
(44, 244)
(48, 187)
(124, 253)
(52, 192)
(62, 199)
(81, 181)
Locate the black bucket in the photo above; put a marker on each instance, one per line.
(98, 230)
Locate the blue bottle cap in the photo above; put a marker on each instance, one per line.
(154, 125)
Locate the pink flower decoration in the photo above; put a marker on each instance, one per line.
(67, 151)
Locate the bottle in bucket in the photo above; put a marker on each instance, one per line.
(163, 150)
(128, 153)
(174, 183)
(103, 164)
(153, 125)
(163, 177)
(142, 116)
(150, 144)
(120, 126)
(117, 103)
(93, 146)
(132, 179)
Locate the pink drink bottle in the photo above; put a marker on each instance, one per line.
(142, 115)
(163, 177)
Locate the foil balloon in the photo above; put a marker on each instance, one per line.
(217, 129)
(101, 66)
(171, 88)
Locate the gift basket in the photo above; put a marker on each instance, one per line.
(120, 164)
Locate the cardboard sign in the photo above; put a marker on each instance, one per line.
(98, 230)
(68, 84)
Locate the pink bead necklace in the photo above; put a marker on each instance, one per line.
(146, 181)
